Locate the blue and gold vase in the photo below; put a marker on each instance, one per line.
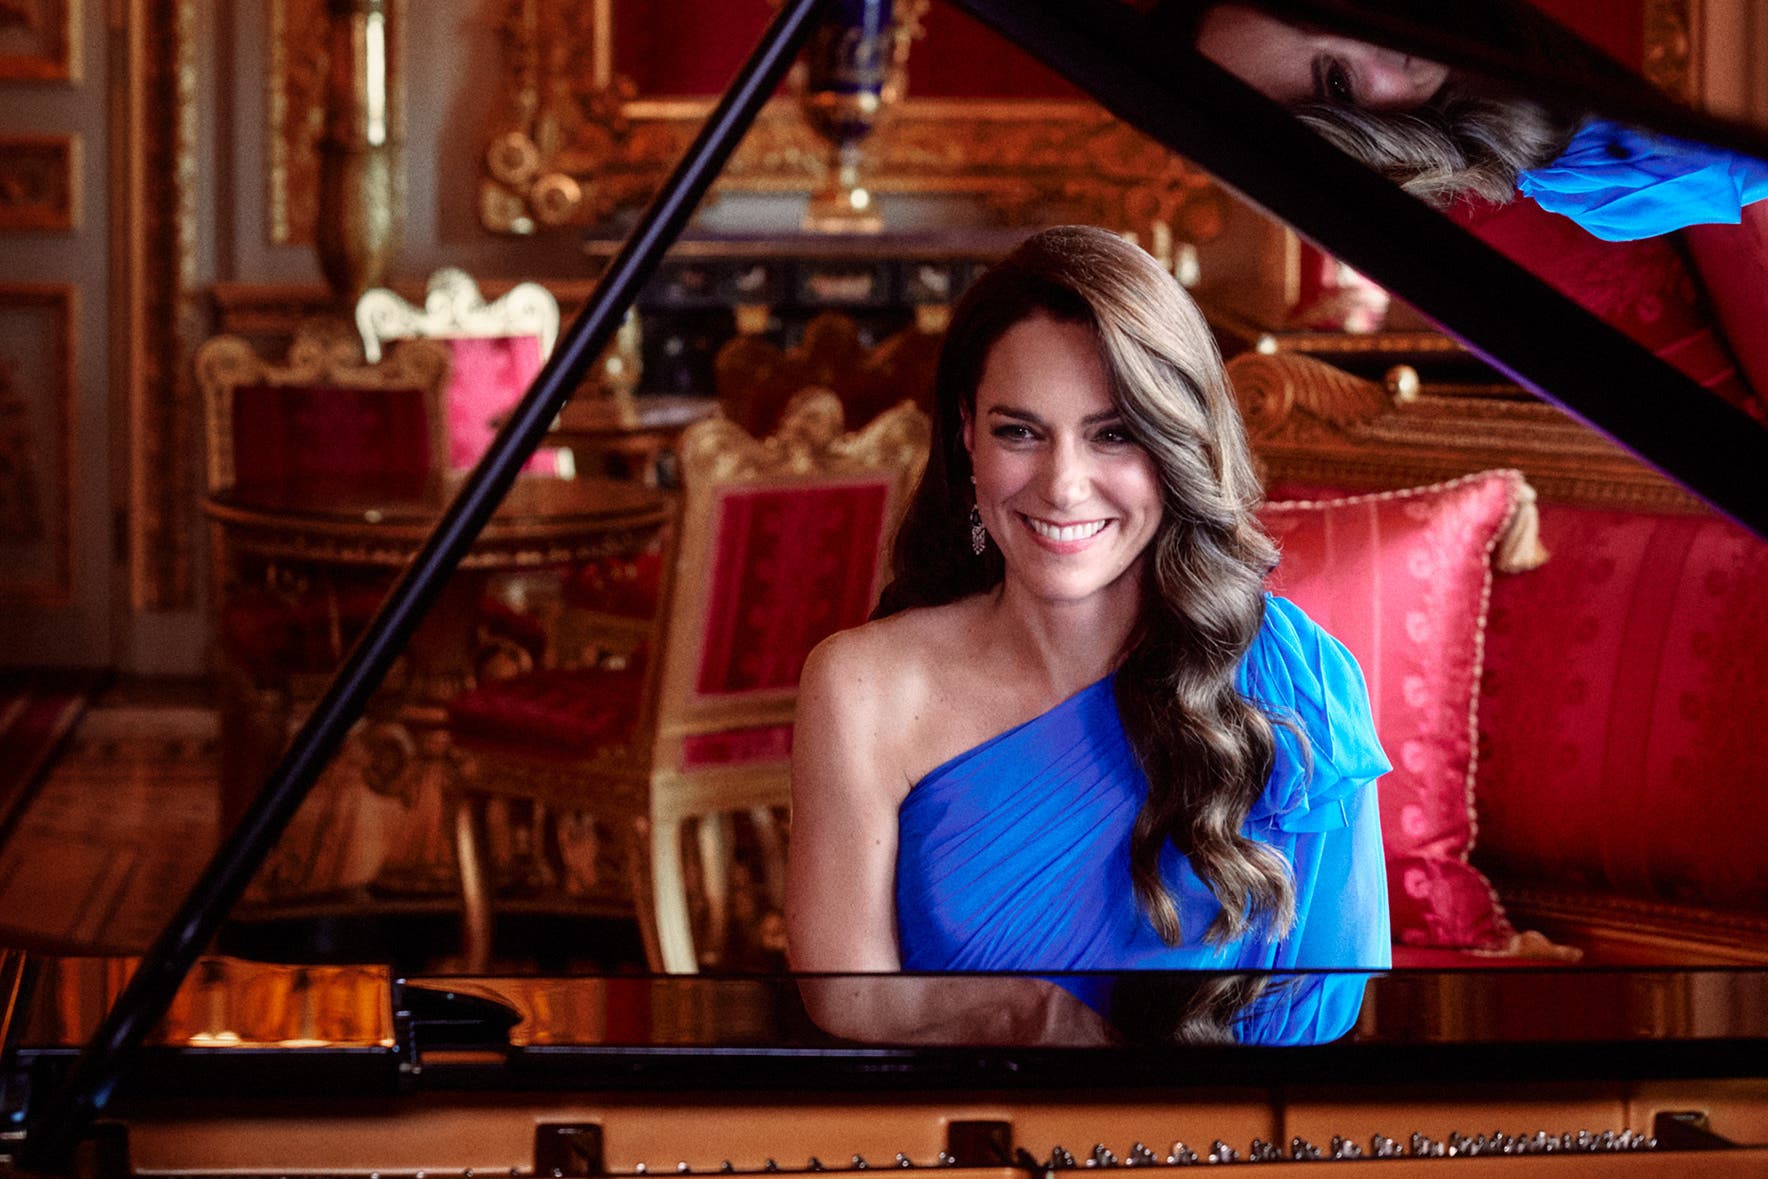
(853, 71)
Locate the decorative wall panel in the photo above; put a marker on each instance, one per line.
(39, 182)
(37, 39)
(36, 427)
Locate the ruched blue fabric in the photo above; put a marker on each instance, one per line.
(1015, 855)
(1622, 184)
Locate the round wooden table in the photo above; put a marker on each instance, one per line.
(328, 541)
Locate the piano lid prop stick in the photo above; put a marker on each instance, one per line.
(50, 1142)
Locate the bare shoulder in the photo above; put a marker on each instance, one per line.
(871, 688)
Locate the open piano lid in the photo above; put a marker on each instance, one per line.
(1162, 86)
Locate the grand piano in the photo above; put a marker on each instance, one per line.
(180, 1063)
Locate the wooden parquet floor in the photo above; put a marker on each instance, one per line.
(124, 821)
(116, 833)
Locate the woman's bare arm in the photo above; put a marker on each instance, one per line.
(841, 875)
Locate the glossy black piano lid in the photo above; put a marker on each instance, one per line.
(1167, 90)
(1131, 64)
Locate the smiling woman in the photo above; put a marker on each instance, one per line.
(1079, 736)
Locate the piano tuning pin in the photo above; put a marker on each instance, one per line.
(902, 1160)
(1264, 1152)
(727, 1168)
(815, 1164)
(1301, 1150)
(770, 1167)
(1221, 1152)
(859, 1162)
(641, 1169)
(1180, 1155)
(682, 1168)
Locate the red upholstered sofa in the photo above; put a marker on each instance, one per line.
(1567, 671)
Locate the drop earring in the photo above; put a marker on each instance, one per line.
(978, 534)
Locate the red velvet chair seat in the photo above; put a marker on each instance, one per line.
(552, 712)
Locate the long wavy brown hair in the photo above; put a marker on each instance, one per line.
(1460, 143)
(1207, 751)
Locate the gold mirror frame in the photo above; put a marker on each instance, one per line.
(572, 147)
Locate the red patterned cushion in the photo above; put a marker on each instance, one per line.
(1401, 578)
(288, 434)
(791, 566)
(552, 711)
(1622, 723)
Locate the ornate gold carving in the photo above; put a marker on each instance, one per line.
(39, 182)
(160, 96)
(36, 443)
(1672, 29)
(296, 115)
(295, 112)
(38, 40)
(1312, 423)
(756, 378)
(574, 146)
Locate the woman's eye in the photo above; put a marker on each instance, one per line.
(1012, 432)
(1115, 436)
(1332, 82)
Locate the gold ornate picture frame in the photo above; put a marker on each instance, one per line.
(36, 443)
(39, 183)
(574, 145)
(38, 39)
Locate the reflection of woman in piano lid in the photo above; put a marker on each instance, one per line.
(1080, 735)
(1472, 146)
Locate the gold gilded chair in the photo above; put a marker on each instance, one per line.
(495, 349)
(782, 542)
(756, 378)
(323, 416)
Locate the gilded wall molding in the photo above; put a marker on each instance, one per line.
(574, 146)
(157, 309)
(1672, 30)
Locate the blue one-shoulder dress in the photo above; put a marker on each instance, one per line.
(1014, 856)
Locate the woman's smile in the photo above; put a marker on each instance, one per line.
(1064, 538)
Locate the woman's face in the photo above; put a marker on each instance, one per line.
(1295, 64)
(1070, 499)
